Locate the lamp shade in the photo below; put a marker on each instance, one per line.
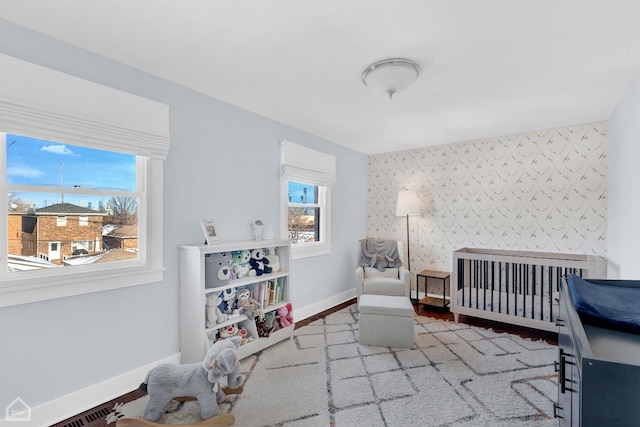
(408, 203)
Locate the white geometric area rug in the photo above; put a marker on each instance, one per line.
(457, 375)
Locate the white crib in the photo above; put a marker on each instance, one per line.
(515, 287)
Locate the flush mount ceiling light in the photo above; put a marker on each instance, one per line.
(391, 75)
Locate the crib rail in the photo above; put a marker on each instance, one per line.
(517, 287)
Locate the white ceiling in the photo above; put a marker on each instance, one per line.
(490, 67)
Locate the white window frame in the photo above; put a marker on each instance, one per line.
(61, 221)
(83, 221)
(90, 245)
(307, 166)
(308, 249)
(66, 109)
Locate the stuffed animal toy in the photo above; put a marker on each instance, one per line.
(200, 380)
(240, 265)
(244, 334)
(284, 315)
(234, 331)
(270, 318)
(214, 314)
(228, 332)
(218, 269)
(274, 262)
(247, 305)
(259, 263)
(261, 326)
(229, 297)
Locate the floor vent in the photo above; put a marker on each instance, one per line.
(74, 423)
(98, 414)
(95, 417)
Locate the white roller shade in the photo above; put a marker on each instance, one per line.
(302, 164)
(42, 103)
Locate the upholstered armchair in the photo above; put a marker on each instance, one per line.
(393, 279)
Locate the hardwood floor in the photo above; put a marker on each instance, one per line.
(96, 416)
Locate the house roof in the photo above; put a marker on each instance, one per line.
(122, 232)
(118, 255)
(21, 263)
(66, 209)
(111, 255)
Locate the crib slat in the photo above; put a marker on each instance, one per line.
(493, 271)
(524, 285)
(499, 286)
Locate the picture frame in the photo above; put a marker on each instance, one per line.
(209, 230)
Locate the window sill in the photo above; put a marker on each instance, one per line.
(307, 251)
(24, 291)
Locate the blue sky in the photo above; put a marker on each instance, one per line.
(33, 161)
(297, 194)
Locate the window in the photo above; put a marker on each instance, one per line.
(305, 212)
(82, 247)
(78, 124)
(306, 180)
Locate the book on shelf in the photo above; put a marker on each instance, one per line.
(268, 292)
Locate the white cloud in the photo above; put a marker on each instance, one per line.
(22, 170)
(58, 149)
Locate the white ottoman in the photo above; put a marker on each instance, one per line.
(386, 321)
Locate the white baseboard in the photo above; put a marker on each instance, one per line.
(72, 404)
(320, 306)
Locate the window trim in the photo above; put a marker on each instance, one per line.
(305, 250)
(305, 165)
(67, 109)
(33, 286)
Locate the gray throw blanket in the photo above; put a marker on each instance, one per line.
(379, 253)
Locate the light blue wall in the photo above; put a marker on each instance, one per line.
(223, 164)
(623, 176)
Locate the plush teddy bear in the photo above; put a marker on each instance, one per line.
(247, 305)
(218, 269)
(284, 315)
(274, 262)
(240, 265)
(259, 263)
(214, 313)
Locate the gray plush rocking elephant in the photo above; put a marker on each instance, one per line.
(200, 380)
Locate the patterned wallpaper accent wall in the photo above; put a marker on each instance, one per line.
(537, 191)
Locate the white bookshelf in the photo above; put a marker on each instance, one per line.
(194, 334)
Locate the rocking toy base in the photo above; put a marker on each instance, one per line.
(222, 420)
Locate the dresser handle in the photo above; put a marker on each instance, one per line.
(556, 410)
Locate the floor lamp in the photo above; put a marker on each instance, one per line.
(408, 204)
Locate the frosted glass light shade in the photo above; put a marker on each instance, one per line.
(408, 203)
(391, 75)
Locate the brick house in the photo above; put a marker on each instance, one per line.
(15, 233)
(62, 230)
(123, 237)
